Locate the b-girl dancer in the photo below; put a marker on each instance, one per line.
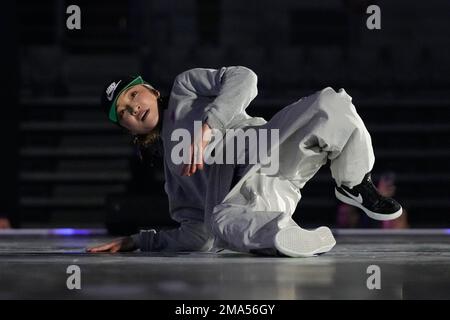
(235, 206)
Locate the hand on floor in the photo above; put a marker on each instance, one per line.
(124, 244)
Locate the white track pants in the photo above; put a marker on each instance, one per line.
(322, 126)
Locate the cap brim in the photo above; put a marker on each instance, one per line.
(112, 111)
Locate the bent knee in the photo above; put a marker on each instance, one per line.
(329, 93)
(328, 98)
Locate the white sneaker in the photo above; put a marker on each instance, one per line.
(297, 242)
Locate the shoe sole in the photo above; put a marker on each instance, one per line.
(297, 242)
(371, 214)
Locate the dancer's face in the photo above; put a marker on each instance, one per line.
(137, 109)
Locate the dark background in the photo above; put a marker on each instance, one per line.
(64, 164)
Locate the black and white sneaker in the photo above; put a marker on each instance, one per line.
(366, 197)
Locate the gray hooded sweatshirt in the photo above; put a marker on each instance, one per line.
(312, 130)
(219, 98)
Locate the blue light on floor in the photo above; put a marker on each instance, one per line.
(70, 232)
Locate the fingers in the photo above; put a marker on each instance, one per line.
(196, 161)
(103, 248)
(203, 147)
(196, 153)
(187, 167)
(200, 147)
(206, 138)
(123, 244)
(115, 249)
(98, 249)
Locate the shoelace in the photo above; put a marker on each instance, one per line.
(370, 191)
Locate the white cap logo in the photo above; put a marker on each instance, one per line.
(110, 90)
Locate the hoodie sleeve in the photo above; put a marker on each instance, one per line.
(190, 236)
(233, 88)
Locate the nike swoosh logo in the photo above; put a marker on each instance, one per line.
(358, 198)
(111, 89)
